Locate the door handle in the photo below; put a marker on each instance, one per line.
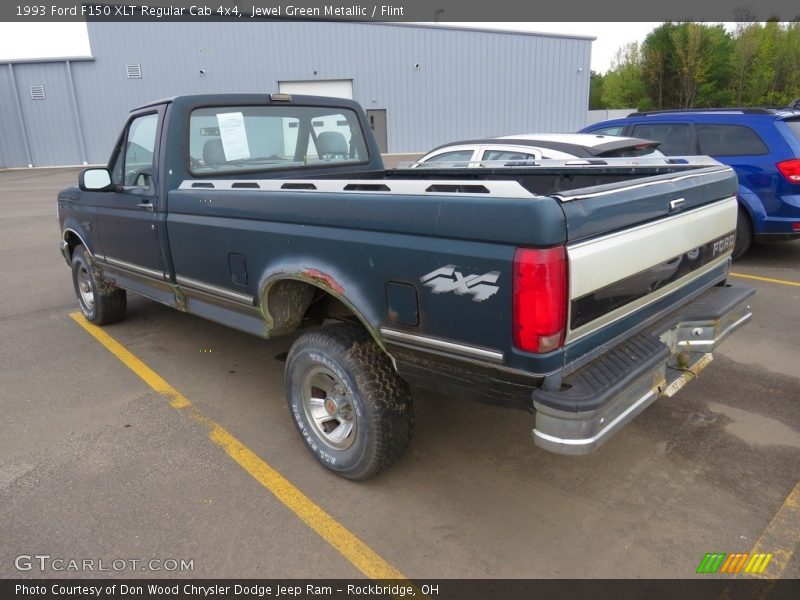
(676, 204)
(148, 206)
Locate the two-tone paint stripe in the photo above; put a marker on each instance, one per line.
(602, 262)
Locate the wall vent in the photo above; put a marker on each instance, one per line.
(133, 71)
(37, 92)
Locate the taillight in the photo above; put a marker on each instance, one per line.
(790, 169)
(540, 298)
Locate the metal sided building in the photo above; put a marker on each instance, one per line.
(420, 85)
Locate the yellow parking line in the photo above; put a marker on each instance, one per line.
(781, 537)
(348, 545)
(767, 279)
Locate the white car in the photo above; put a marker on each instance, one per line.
(517, 150)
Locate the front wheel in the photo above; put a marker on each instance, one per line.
(99, 304)
(352, 410)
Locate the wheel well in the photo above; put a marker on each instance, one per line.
(744, 209)
(291, 304)
(73, 241)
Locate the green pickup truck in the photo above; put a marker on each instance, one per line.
(578, 290)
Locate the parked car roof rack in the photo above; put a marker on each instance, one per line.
(748, 110)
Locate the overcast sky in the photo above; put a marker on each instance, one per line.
(50, 40)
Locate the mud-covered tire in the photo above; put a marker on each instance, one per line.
(360, 390)
(744, 234)
(99, 303)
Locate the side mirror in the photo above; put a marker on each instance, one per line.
(95, 180)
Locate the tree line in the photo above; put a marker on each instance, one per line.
(700, 65)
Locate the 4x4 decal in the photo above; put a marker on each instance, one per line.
(447, 279)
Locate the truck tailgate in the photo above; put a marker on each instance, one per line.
(630, 246)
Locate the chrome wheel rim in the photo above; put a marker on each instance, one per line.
(329, 408)
(85, 288)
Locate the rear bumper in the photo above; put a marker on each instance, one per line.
(780, 224)
(601, 397)
(767, 238)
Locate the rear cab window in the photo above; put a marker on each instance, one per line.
(232, 139)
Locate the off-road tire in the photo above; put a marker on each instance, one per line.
(99, 303)
(379, 399)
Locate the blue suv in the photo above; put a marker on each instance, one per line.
(761, 144)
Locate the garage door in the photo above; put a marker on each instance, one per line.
(338, 88)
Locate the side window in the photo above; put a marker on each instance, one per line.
(456, 155)
(615, 130)
(133, 165)
(507, 155)
(729, 140)
(675, 138)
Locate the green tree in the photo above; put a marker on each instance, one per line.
(759, 86)
(596, 91)
(786, 62)
(624, 85)
(715, 90)
(746, 45)
(686, 65)
(659, 66)
(702, 53)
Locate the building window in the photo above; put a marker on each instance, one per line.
(133, 71)
(37, 92)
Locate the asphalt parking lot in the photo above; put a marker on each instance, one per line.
(94, 464)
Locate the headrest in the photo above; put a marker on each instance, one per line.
(213, 152)
(331, 142)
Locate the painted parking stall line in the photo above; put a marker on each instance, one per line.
(339, 537)
(767, 279)
(780, 538)
(773, 550)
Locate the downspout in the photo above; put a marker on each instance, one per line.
(23, 124)
(76, 113)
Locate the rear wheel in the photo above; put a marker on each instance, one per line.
(744, 234)
(100, 304)
(351, 408)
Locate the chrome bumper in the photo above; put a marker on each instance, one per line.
(678, 350)
(65, 252)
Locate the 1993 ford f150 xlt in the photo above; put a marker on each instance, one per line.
(582, 290)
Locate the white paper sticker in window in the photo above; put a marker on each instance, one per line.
(233, 135)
